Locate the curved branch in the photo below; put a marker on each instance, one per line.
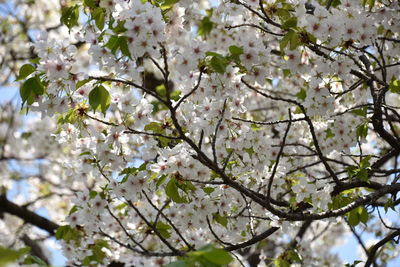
(254, 240)
(27, 215)
(374, 249)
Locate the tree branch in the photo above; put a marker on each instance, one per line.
(27, 215)
(374, 249)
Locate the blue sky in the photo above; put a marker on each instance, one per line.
(21, 187)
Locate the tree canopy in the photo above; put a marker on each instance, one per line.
(200, 133)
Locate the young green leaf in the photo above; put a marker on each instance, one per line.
(235, 50)
(222, 220)
(98, 15)
(81, 83)
(99, 97)
(30, 89)
(171, 189)
(33, 260)
(163, 229)
(25, 71)
(8, 256)
(218, 256)
(90, 3)
(290, 23)
(394, 86)
(70, 16)
(205, 27)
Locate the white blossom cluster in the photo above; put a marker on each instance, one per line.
(262, 111)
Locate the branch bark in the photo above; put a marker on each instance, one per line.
(374, 249)
(27, 215)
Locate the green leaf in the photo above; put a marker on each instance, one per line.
(294, 41)
(389, 204)
(116, 43)
(222, 220)
(208, 252)
(70, 16)
(186, 186)
(351, 171)
(30, 89)
(26, 135)
(369, 3)
(329, 133)
(61, 231)
(36, 85)
(207, 256)
(179, 263)
(123, 46)
(112, 43)
(102, 243)
(219, 64)
(168, 4)
(340, 201)
(357, 215)
(128, 170)
(205, 26)
(67, 233)
(394, 86)
(290, 23)
(283, 13)
(364, 163)
(235, 50)
(302, 94)
(285, 40)
(68, 117)
(99, 97)
(98, 14)
(362, 175)
(27, 95)
(218, 256)
(360, 112)
(363, 214)
(353, 218)
(98, 254)
(35, 60)
(120, 27)
(161, 180)
(281, 263)
(131, 171)
(155, 127)
(208, 190)
(171, 190)
(92, 194)
(235, 53)
(213, 54)
(163, 229)
(8, 255)
(30, 259)
(79, 84)
(335, 3)
(175, 95)
(73, 210)
(362, 130)
(361, 172)
(286, 73)
(90, 3)
(293, 256)
(25, 71)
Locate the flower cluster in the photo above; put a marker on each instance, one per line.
(186, 124)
